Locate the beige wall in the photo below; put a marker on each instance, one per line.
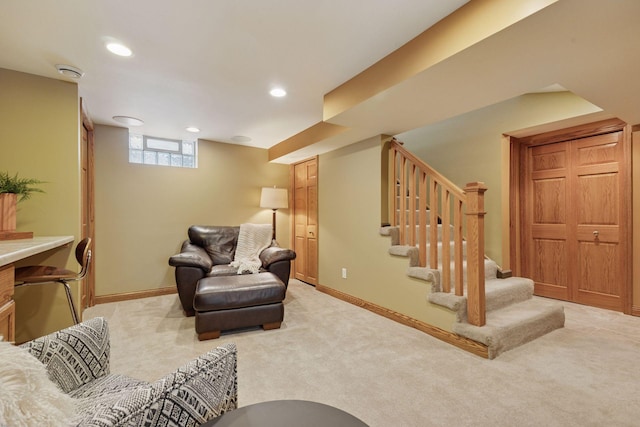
(39, 122)
(349, 237)
(468, 148)
(143, 212)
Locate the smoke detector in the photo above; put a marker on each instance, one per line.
(69, 71)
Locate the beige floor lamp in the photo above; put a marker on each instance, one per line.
(274, 198)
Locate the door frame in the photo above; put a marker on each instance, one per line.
(89, 199)
(513, 148)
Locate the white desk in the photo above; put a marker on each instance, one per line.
(10, 252)
(15, 250)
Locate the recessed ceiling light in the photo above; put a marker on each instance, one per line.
(119, 49)
(69, 71)
(240, 138)
(278, 92)
(130, 121)
(192, 129)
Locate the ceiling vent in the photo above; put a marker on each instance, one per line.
(69, 71)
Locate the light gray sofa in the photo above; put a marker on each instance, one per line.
(77, 360)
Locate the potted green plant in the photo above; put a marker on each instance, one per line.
(14, 189)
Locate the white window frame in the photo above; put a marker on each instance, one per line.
(150, 153)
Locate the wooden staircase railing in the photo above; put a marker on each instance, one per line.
(416, 188)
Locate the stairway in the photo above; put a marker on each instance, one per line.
(513, 315)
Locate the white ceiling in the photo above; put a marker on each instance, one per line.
(210, 63)
(589, 47)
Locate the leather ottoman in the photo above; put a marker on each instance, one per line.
(240, 301)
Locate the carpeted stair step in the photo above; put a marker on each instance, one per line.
(413, 253)
(517, 324)
(499, 293)
(417, 214)
(490, 270)
(410, 252)
(391, 231)
(428, 231)
(452, 246)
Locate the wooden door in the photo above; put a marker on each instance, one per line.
(575, 216)
(600, 226)
(305, 200)
(547, 216)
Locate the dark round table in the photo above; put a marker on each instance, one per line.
(286, 413)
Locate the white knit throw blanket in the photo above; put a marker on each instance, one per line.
(252, 240)
(27, 396)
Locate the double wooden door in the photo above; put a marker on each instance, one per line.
(305, 211)
(575, 234)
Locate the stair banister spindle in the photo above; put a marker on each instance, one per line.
(402, 223)
(433, 224)
(446, 241)
(475, 253)
(412, 205)
(457, 247)
(422, 239)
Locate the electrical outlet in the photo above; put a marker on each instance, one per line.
(344, 273)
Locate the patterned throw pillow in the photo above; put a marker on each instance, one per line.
(195, 393)
(76, 355)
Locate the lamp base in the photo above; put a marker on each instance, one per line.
(274, 225)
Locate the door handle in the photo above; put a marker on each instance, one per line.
(596, 233)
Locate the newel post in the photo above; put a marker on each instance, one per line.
(475, 253)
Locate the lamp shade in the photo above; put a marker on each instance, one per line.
(274, 198)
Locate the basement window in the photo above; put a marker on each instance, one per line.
(150, 150)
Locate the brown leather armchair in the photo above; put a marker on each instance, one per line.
(209, 251)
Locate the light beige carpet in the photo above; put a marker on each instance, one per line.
(387, 374)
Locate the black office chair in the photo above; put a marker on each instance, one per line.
(37, 274)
